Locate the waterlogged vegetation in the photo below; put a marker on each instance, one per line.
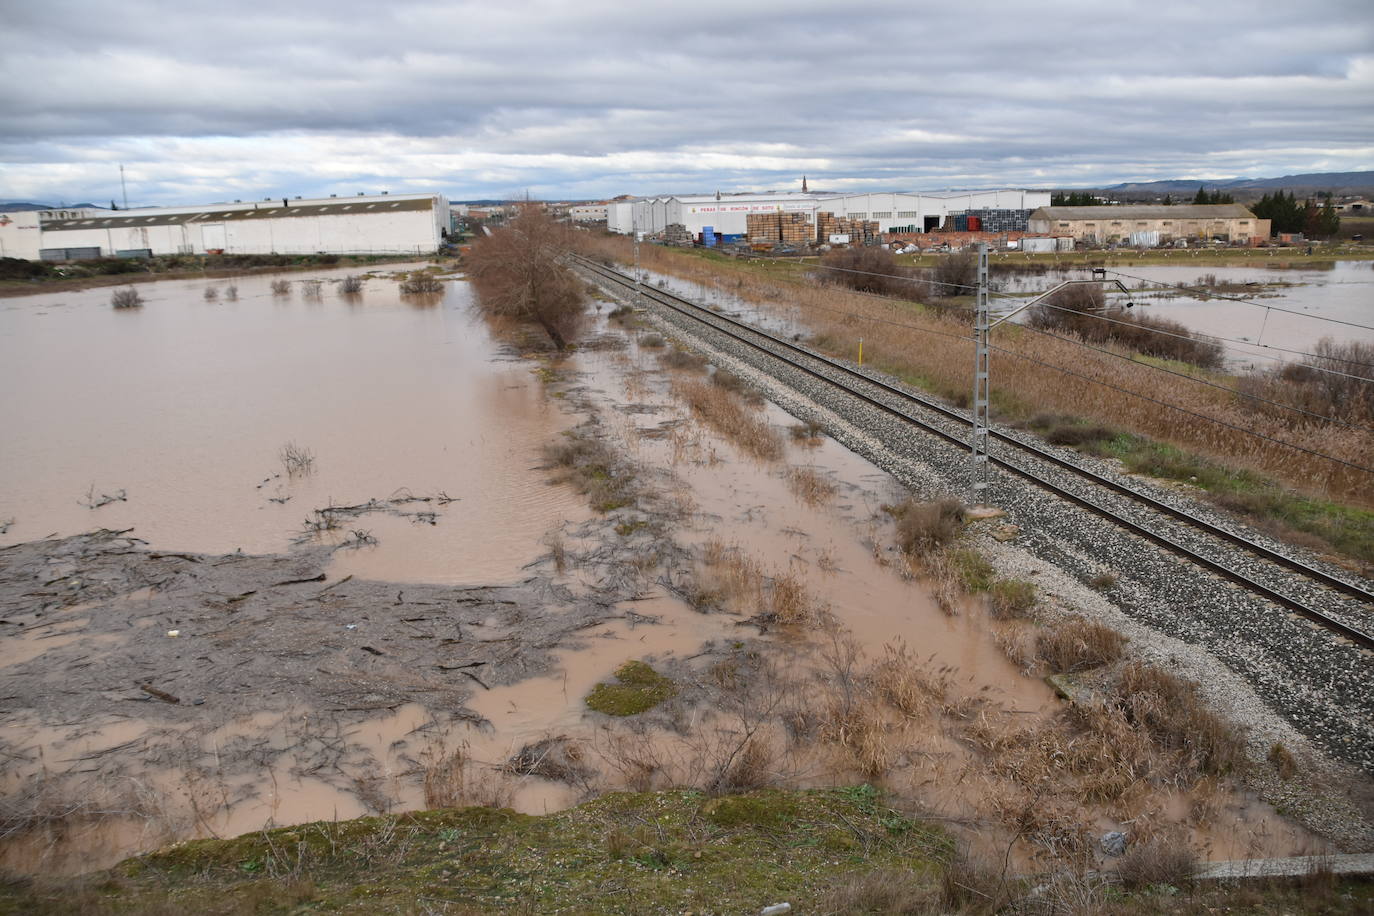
(637, 688)
(1232, 447)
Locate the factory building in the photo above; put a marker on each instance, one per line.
(907, 211)
(1150, 225)
(587, 213)
(382, 224)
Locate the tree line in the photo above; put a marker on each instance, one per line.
(1287, 215)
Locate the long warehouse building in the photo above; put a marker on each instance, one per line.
(902, 211)
(382, 224)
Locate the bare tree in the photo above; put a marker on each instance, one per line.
(518, 275)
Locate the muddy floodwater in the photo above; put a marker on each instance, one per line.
(1281, 309)
(183, 405)
(218, 668)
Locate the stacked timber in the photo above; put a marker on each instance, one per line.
(677, 234)
(763, 227)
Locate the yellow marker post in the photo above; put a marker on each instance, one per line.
(861, 351)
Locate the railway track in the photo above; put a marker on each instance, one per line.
(1037, 465)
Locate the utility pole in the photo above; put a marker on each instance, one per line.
(982, 351)
(634, 230)
(123, 186)
(981, 354)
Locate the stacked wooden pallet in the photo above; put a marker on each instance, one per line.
(763, 227)
(860, 232)
(677, 234)
(796, 228)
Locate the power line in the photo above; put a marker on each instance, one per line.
(1211, 295)
(1202, 381)
(1192, 413)
(1144, 327)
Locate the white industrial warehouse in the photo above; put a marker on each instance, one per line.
(381, 224)
(893, 211)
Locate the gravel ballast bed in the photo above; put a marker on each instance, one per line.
(1318, 683)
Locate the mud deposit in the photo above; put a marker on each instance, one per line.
(159, 685)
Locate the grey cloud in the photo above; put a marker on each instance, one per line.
(601, 97)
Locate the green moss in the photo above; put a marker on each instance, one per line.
(640, 688)
(760, 809)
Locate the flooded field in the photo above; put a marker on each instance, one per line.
(183, 406)
(180, 688)
(1341, 292)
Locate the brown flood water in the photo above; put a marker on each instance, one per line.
(388, 394)
(184, 404)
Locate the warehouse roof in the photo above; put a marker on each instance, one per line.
(1183, 211)
(237, 212)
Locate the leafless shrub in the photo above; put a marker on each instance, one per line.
(351, 285)
(1283, 761)
(281, 287)
(359, 537)
(1077, 644)
(1103, 581)
(312, 288)
(297, 460)
(1079, 310)
(557, 549)
(970, 884)
(653, 341)
(810, 487)
(809, 433)
(126, 298)
(519, 274)
(868, 269)
(682, 359)
(231, 292)
(420, 282)
(211, 293)
(923, 527)
(1158, 860)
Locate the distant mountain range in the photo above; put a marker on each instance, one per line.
(1335, 182)
(12, 206)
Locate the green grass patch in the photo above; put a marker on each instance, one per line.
(638, 688)
(975, 572)
(624, 853)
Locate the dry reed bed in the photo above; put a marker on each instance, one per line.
(934, 350)
(731, 416)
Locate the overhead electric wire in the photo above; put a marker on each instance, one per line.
(1201, 381)
(1161, 331)
(1126, 391)
(1192, 413)
(1211, 295)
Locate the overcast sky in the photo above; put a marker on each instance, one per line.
(208, 101)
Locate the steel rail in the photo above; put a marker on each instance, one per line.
(691, 310)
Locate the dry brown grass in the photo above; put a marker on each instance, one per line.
(1011, 598)
(1158, 860)
(1176, 716)
(728, 414)
(1283, 761)
(923, 527)
(913, 343)
(906, 685)
(742, 584)
(1077, 644)
(810, 487)
(885, 891)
